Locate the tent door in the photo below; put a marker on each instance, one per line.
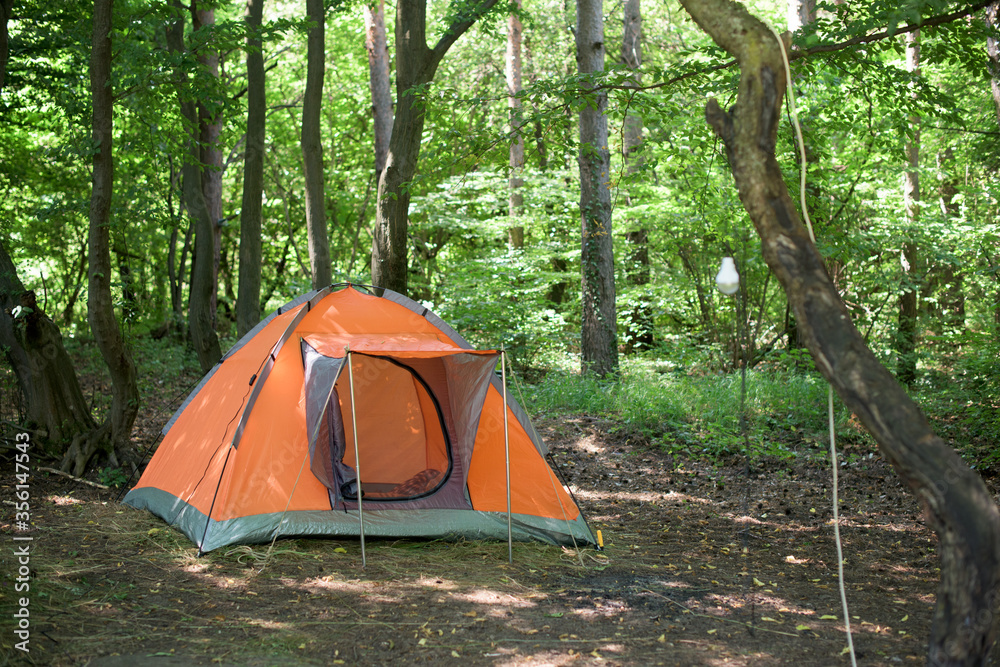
(402, 441)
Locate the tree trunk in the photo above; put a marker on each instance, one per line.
(515, 203)
(130, 300)
(993, 50)
(312, 148)
(637, 273)
(5, 9)
(906, 333)
(200, 316)
(377, 47)
(557, 290)
(209, 130)
(639, 324)
(957, 504)
(81, 278)
(416, 64)
(44, 371)
(248, 298)
(599, 347)
(800, 13)
(949, 277)
(113, 435)
(632, 59)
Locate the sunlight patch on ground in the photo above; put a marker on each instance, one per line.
(731, 603)
(225, 583)
(547, 658)
(589, 444)
(269, 625)
(329, 584)
(638, 496)
(65, 500)
(434, 582)
(727, 659)
(894, 526)
(196, 567)
(774, 526)
(591, 614)
(492, 598)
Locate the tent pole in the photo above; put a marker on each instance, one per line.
(506, 454)
(357, 457)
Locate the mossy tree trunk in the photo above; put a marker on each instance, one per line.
(599, 339)
(957, 504)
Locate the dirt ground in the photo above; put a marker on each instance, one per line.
(731, 563)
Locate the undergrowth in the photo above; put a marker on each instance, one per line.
(785, 411)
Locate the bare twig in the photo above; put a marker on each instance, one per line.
(74, 478)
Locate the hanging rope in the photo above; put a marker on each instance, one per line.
(833, 445)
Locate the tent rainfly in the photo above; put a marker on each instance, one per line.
(347, 413)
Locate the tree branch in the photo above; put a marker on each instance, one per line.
(798, 54)
(958, 506)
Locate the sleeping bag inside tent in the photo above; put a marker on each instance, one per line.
(342, 398)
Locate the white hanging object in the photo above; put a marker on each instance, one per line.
(728, 280)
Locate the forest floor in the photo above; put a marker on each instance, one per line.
(705, 563)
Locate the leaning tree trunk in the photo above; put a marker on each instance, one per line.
(957, 503)
(599, 344)
(33, 345)
(248, 297)
(100, 305)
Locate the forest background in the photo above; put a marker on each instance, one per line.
(902, 151)
(543, 178)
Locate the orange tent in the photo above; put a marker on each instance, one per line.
(342, 393)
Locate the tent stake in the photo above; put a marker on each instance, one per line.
(506, 453)
(357, 457)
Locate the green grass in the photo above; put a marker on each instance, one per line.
(786, 411)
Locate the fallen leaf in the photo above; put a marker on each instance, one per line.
(827, 617)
